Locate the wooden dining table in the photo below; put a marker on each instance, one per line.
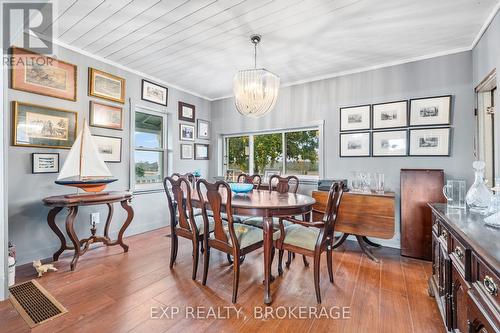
(267, 205)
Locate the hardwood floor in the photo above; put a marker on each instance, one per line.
(115, 292)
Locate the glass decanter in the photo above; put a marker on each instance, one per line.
(493, 212)
(479, 196)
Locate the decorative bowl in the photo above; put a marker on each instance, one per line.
(241, 187)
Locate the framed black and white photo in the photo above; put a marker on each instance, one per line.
(186, 112)
(355, 144)
(390, 115)
(203, 129)
(430, 111)
(186, 132)
(45, 162)
(186, 151)
(109, 147)
(355, 118)
(390, 143)
(201, 151)
(154, 93)
(430, 142)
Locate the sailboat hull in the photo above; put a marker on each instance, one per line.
(88, 185)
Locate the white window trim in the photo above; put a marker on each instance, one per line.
(320, 125)
(155, 187)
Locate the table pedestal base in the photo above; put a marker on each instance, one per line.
(362, 241)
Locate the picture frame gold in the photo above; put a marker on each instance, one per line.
(94, 121)
(93, 73)
(43, 142)
(19, 76)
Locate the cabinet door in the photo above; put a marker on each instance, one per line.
(477, 321)
(445, 285)
(435, 259)
(458, 297)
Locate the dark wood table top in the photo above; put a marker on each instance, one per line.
(86, 199)
(470, 227)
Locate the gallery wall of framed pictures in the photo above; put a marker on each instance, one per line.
(418, 127)
(190, 130)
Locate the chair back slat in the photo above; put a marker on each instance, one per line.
(211, 195)
(188, 176)
(178, 191)
(256, 180)
(283, 184)
(332, 207)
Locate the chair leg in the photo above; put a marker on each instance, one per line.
(317, 257)
(236, 278)
(329, 262)
(280, 261)
(173, 250)
(196, 254)
(202, 248)
(289, 261)
(273, 250)
(304, 259)
(229, 259)
(206, 261)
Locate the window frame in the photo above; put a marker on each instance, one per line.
(151, 187)
(303, 178)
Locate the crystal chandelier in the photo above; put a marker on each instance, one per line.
(255, 90)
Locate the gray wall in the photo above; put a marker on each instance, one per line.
(315, 101)
(28, 228)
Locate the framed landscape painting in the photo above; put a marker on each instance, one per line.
(430, 142)
(44, 163)
(154, 93)
(389, 143)
(355, 118)
(45, 76)
(430, 111)
(41, 126)
(390, 115)
(201, 151)
(109, 147)
(186, 112)
(106, 86)
(355, 144)
(106, 116)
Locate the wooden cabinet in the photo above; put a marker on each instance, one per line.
(465, 270)
(419, 187)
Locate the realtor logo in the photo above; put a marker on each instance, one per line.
(28, 25)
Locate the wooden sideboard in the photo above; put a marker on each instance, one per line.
(465, 270)
(362, 215)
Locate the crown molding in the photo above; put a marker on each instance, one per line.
(485, 25)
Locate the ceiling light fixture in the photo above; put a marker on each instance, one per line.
(255, 90)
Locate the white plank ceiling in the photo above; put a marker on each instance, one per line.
(198, 45)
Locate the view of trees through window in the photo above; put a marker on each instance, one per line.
(148, 148)
(299, 156)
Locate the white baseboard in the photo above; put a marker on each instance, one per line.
(3, 293)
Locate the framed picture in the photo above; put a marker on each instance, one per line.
(201, 151)
(203, 129)
(186, 132)
(355, 118)
(390, 115)
(186, 112)
(355, 144)
(106, 86)
(41, 126)
(430, 142)
(109, 147)
(390, 143)
(269, 173)
(186, 151)
(106, 116)
(45, 163)
(45, 76)
(430, 111)
(154, 93)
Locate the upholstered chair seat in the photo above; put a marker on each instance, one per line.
(198, 219)
(300, 236)
(247, 235)
(258, 222)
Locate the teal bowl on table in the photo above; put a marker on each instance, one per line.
(241, 187)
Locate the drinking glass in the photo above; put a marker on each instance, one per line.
(379, 183)
(454, 191)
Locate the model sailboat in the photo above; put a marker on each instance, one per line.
(84, 167)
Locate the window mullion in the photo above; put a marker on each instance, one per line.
(251, 165)
(283, 151)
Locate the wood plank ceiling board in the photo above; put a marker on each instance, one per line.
(198, 45)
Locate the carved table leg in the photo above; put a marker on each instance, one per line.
(70, 219)
(130, 216)
(51, 219)
(268, 244)
(369, 242)
(366, 250)
(108, 221)
(340, 240)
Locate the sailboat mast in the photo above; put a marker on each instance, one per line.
(81, 152)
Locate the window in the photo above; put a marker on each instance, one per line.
(238, 156)
(149, 153)
(291, 152)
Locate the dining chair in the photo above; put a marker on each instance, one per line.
(256, 180)
(312, 238)
(184, 222)
(228, 236)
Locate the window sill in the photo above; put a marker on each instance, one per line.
(140, 191)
